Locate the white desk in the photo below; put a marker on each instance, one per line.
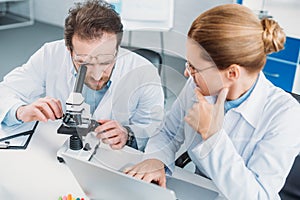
(35, 173)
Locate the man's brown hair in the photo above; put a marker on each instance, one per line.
(89, 20)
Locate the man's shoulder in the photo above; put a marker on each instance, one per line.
(55, 49)
(57, 44)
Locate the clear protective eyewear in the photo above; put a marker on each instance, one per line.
(192, 70)
(103, 60)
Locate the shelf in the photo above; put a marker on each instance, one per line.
(13, 15)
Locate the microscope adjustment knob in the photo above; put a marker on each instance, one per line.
(75, 143)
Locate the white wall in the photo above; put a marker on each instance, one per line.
(53, 11)
(286, 13)
(185, 11)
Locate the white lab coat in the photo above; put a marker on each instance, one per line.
(250, 157)
(134, 98)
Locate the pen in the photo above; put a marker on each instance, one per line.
(4, 145)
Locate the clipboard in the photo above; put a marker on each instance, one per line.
(18, 136)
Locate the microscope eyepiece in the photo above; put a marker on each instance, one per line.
(80, 79)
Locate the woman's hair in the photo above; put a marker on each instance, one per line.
(90, 20)
(233, 34)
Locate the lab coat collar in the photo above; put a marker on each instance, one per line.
(116, 73)
(118, 69)
(104, 108)
(253, 106)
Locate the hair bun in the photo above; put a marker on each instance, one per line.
(273, 36)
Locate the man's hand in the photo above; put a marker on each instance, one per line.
(40, 110)
(205, 118)
(112, 133)
(151, 170)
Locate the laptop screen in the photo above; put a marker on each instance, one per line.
(101, 182)
(100, 178)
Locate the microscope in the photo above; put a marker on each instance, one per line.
(78, 123)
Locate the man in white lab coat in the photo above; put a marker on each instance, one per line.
(122, 88)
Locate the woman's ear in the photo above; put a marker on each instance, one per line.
(233, 72)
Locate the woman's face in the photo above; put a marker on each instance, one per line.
(206, 75)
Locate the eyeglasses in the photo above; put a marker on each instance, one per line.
(100, 59)
(192, 70)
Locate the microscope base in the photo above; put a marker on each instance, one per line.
(90, 146)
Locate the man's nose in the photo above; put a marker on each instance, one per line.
(96, 72)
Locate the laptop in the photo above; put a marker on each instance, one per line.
(102, 182)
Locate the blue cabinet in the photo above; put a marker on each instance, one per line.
(281, 67)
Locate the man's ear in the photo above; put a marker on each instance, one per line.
(233, 72)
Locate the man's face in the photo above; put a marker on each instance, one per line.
(205, 73)
(99, 57)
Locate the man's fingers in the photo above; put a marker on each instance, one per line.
(56, 107)
(117, 146)
(103, 121)
(50, 107)
(39, 115)
(105, 126)
(107, 134)
(113, 140)
(46, 110)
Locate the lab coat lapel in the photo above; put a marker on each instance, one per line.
(103, 110)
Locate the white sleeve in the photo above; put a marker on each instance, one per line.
(138, 101)
(168, 139)
(23, 84)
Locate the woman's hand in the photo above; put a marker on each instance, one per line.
(205, 118)
(151, 170)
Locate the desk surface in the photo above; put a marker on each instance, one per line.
(35, 173)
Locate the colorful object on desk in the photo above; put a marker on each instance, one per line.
(69, 197)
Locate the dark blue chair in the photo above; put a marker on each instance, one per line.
(291, 188)
(153, 56)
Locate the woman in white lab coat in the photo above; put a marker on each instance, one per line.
(240, 130)
(122, 88)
